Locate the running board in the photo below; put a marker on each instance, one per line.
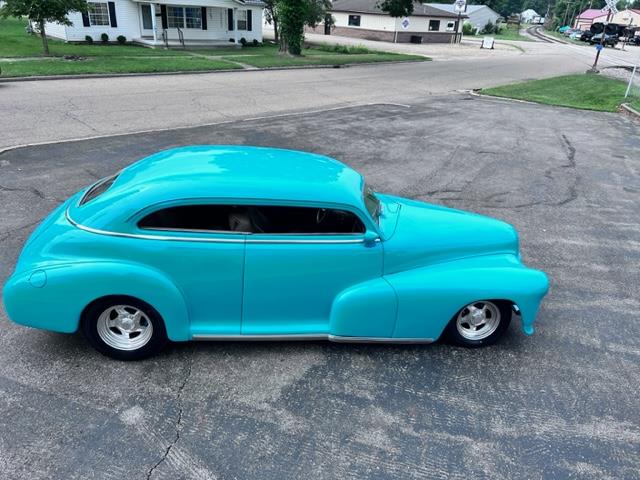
(309, 337)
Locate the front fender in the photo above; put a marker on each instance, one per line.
(429, 297)
(53, 298)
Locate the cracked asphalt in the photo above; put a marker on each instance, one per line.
(560, 404)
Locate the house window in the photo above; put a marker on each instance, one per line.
(98, 14)
(354, 20)
(434, 25)
(450, 26)
(193, 17)
(242, 19)
(175, 17)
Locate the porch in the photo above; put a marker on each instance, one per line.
(192, 23)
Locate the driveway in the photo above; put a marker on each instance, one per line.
(560, 404)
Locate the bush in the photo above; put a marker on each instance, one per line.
(232, 40)
(122, 39)
(489, 28)
(104, 38)
(88, 38)
(255, 43)
(243, 41)
(468, 29)
(346, 49)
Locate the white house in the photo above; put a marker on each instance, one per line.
(165, 23)
(529, 15)
(479, 15)
(364, 19)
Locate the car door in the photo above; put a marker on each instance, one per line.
(294, 269)
(200, 248)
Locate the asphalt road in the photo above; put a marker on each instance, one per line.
(560, 404)
(34, 112)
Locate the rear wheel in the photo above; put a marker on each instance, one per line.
(124, 328)
(479, 323)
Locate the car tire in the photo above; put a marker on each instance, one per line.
(124, 328)
(479, 324)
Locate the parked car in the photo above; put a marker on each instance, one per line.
(245, 243)
(571, 31)
(576, 35)
(609, 40)
(586, 36)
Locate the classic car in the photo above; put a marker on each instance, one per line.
(250, 243)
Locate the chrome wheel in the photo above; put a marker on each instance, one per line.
(124, 327)
(478, 320)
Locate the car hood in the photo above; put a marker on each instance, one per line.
(424, 234)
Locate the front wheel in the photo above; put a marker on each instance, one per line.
(124, 328)
(479, 323)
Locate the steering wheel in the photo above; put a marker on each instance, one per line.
(321, 215)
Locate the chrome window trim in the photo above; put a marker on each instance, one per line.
(246, 236)
(310, 337)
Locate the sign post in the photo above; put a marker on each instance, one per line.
(610, 9)
(459, 6)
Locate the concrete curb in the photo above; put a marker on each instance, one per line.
(476, 93)
(630, 110)
(199, 72)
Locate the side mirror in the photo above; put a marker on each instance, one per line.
(370, 237)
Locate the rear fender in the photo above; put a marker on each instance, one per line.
(54, 297)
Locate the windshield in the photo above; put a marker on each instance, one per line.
(371, 202)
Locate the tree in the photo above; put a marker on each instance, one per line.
(41, 11)
(289, 18)
(396, 8)
(271, 16)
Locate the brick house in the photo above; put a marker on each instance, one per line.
(363, 19)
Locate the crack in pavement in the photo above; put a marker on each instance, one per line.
(33, 190)
(178, 423)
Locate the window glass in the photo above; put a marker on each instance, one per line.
(434, 25)
(98, 189)
(450, 26)
(193, 17)
(354, 20)
(147, 22)
(175, 17)
(371, 202)
(98, 13)
(254, 219)
(242, 19)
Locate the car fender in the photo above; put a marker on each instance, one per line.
(54, 297)
(429, 297)
(367, 309)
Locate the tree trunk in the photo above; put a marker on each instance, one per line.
(276, 33)
(45, 42)
(284, 46)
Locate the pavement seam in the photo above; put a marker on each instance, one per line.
(211, 124)
(178, 423)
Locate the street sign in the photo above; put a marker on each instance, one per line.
(405, 23)
(460, 6)
(599, 46)
(611, 7)
(487, 42)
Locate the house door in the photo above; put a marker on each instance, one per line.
(147, 22)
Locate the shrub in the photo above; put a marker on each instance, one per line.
(104, 38)
(122, 39)
(232, 40)
(489, 28)
(243, 42)
(468, 29)
(255, 42)
(88, 38)
(346, 49)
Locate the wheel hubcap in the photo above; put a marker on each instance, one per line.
(124, 327)
(478, 320)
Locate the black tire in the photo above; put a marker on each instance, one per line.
(454, 336)
(89, 326)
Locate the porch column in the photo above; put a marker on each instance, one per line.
(235, 25)
(153, 22)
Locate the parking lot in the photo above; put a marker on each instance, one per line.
(560, 404)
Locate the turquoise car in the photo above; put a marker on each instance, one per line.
(248, 243)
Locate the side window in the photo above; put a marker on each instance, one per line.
(434, 25)
(354, 20)
(303, 220)
(214, 218)
(254, 219)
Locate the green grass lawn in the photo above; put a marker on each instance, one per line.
(586, 91)
(16, 42)
(59, 66)
(268, 56)
(507, 33)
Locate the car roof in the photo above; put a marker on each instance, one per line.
(226, 173)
